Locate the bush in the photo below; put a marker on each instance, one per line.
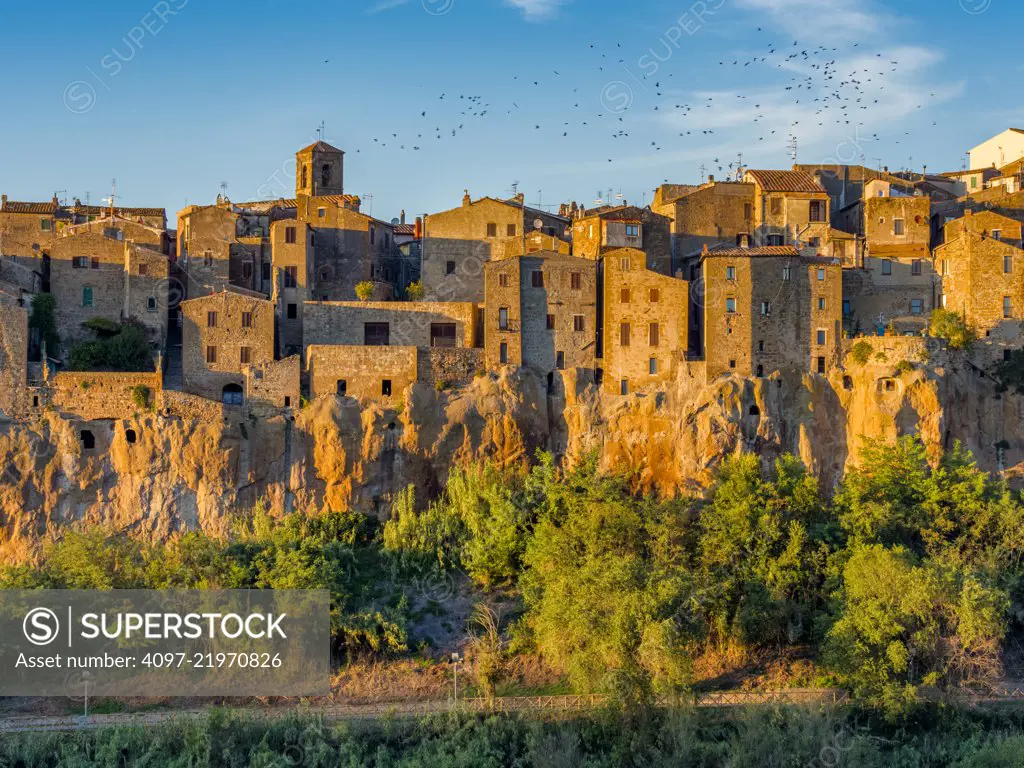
(43, 319)
(141, 396)
(415, 291)
(364, 290)
(861, 352)
(117, 348)
(951, 327)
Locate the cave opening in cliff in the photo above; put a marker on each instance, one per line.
(88, 440)
(130, 436)
(754, 411)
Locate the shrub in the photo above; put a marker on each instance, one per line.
(117, 348)
(141, 396)
(951, 327)
(415, 291)
(861, 352)
(364, 290)
(43, 318)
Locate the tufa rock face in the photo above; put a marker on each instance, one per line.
(155, 475)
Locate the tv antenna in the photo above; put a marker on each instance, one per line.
(113, 195)
(321, 131)
(515, 188)
(703, 172)
(793, 146)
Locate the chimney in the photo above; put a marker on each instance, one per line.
(3, 200)
(885, 168)
(419, 228)
(466, 199)
(520, 198)
(744, 241)
(402, 217)
(711, 178)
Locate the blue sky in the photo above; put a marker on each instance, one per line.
(173, 98)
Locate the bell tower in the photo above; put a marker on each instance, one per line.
(319, 170)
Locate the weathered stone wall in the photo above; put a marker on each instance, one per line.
(881, 213)
(409, 321)
(100, 395)
(273, 384)
(442, 368)
(649, 312)
(876, 299)
(718, 212)
(13, 357)
(297, 256)
(363, 371)
(605, 229)
(206, 236)
(227, 337)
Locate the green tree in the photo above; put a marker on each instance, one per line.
(43, 319)
(949, 325)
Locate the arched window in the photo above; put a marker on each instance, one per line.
(233, 395)
(325, 176)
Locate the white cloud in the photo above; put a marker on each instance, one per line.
(537, 10)
(386, 5)
(820, 19)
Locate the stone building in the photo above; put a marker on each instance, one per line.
(624, 226)
(222, 335)
(847, 185)
(984, 282)
(987, 223)
(542, 313)
(644, 322)
(424, 324)
(100, 276)
(458, 243)
(319, 170)
(790, 208)
(895, 288)
(719, 213)
(769, 308)
(380, 374)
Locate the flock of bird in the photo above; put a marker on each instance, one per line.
(817, 91)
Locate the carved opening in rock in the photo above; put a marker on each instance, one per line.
(391, 426)
(886, 385)
(385, 388)
(551, 380)
(232, 395)
(760, 371)
(778, 383)
(342, 387)
(35, 401)
(847, 382)
(88, 440)
(130, 436)
(287, 402)
(754, 411)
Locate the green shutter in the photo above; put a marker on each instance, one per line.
(87, 297)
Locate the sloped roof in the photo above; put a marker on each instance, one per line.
(786, 181)
(13, 206)
(405, 229)
(762, 250)
(320, 146)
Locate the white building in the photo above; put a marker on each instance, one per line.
(999, 150)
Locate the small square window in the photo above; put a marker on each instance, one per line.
(730, 305)
(916, 306)
(732, 363)
(449, 267)
(287, 402)
(821, 274)
(289, 235)
(46, 225)
(898, 227)
(624, 264)
(915, 267)
(503, 280)
(655, 296)
(247, 319)
(576, 281)
(293, 311)
(766, 308)
(511, 230)
(492, 230)
(321, 213)
(821, 337)
(652, 366)
(503, 353)
(730, 273)
(997, 234)
(821, 303)
(143, 269)
(537, 278)
(503, 319)
(151, 304)
(578, 323)
(787, 273)
(632, 230)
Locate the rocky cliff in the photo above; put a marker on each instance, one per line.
(156, 474)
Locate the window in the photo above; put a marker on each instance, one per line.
(787, 273)
(1007, 264)
(151, 304)
(974, 182)
(821, 365)
(916, 306)
(632, 230)
(503, 319)
(654, 334)
(95, 262)
(624, 334)
(511, 230)
(293, 311)
(305, 176)
(1007, 306)
(287, 402)
(776, 206)
(449, 267)
(814, 242)
(652, 366)
(80, 262)
(915, 267)
(289, 234)
(244, 355)
(321, 213)
(760, 346)
(821, 303)
(46, 225)
(821, 274)
(942, 300)
(624, 263)
(944, 267)
(997, 234)
(821, 337)
(208, 258)
(87, 297)
(342, 387)
(376, 334)
(624, 296)
(730, 273)
(655, 296)
(247, 319)
(503, 353)
(576, 281)
(776, 240)
(578, 323)
(817, 212)
(766, 308)
(88, 440)
(211, 355)
(550, 322)
(385, 388)
(748, 211)
(560, 361)
(760, 372)
(730, 305)
(265, 271)
(373, 235)
(886, 267)
(732, 363)
(537, 278)
(624, 387)
(442, 335)
(503, 280)
(898, 227)
(143, 269)
(211, 319)
(325, 176)
(291, 277)
(492, 230)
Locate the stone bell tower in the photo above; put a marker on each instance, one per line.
(320, 170)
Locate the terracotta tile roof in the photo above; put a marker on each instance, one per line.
(319, 146)
(763, 250)
(786, 181)
(405, 229)
(857, 173)
(93, 210)
(12, 206)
